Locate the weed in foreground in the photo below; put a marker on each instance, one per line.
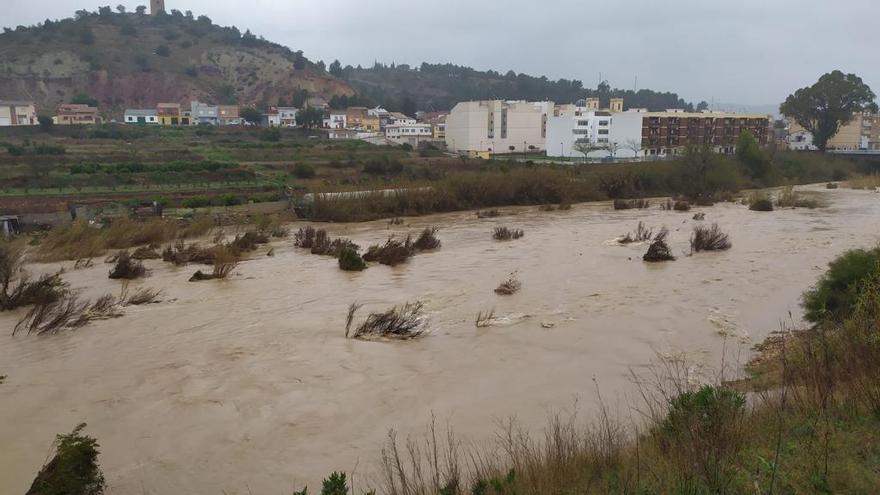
(127, 268)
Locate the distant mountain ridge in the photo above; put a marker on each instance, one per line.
(437, 87)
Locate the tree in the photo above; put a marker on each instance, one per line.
(310, 118)
(84, 99)
(45, 123)
(703, 105)
(336, 69)
(299, 61)
(634, 145)
(141, 10)
(832, 102)
(585, 147)
(251, 115)
(321, 66)
(120, 8)
(749, 153)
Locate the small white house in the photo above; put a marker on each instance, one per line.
(287, 116)
(141, 117)
(337, 119)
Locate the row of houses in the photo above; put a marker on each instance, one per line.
(174, 114)
(583, 129)
(380, 124)
(24, 113)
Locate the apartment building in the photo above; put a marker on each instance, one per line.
(14, 113)
(639, 133)
(74, 114)
(411, 134)
(336, 119)
(861, 133)
(498, 126)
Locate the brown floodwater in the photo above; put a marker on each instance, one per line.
(248, 385)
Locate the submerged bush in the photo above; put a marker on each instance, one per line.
(127, 267)
(510, 286)
(400, 322)
(789, 198)
(351, 261)
(836, 293)
(681, 206)
(507, 234)
(659, 250)
(642, 234)
(392, 253)
(709, 239)
(73, 470)
(629, 204)
(225, 260)
(16, 287)
(427, 240)
(760, 202)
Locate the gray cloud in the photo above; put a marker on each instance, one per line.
(744, 51)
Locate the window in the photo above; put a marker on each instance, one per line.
(580, 131)
(603, 122)
(603, 131)
(583, 123)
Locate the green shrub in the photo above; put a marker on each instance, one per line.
(760, 202)
(303, 171)
(351, 261)
(336, 484)
(74, 468)
(836, 293)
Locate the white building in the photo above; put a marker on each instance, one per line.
(397, 118)
(15, 113)
(142, 117)
(801, 140)
(412, 134)
(611, 131)
(498, 126)
(336, 119)
(287, 116)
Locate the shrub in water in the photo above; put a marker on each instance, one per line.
(351, 261)
(127, 267)
(659, 250)
(427, 240)
(681, 206)
(709, 239)
(506, 234)
(760, 202)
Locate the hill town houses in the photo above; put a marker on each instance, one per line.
(481, 129)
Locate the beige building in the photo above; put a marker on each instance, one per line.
(498, 126)
(74, 114)
(862, 133)
(13, 113)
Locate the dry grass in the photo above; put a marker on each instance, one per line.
(81, 240)
(709, 239)
(642, 234)
(17, 289)
(68, 312)
(659, 250)
(247, 242)
(182, 254)
(631, 204)
(699, 216)
(863, 181)
(400, 323)
(681, 206)
(142, 296)
(225, 261)
(485, 319)
(146, 253)
(507, 234)
(789, 198)
(759, 201)
(510, 286)
(488, 214)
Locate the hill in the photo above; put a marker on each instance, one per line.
(131, 59)
(437, 87)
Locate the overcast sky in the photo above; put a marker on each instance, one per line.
(742, 51)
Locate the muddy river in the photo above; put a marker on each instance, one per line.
(248, 385)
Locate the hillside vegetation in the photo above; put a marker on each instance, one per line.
(438, 87)
(131, 60)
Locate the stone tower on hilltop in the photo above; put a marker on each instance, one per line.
(156, 6)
